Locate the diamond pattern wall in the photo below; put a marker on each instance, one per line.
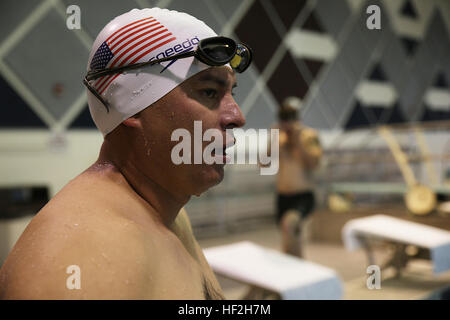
(318, 50)
(51, 61)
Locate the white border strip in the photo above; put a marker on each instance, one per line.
(238, 14)
(22, 30)
(84, 37)
(72, 112)
(273, 64)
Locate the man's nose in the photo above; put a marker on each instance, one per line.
(232, 116)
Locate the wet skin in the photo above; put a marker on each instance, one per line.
(120, 220)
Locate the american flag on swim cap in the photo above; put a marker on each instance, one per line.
(127, 45)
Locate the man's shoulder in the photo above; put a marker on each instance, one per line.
(109, 250)
(183, 230)
(309, 130)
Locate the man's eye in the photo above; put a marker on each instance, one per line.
(210, 93)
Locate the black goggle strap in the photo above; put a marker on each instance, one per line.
(92, 75)
(235, 60)
(95, 93)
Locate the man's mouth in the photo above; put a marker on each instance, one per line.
(221, 154)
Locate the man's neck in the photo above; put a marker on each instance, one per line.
(165, 205)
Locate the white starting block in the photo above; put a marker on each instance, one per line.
(293, 278)
(435, 241)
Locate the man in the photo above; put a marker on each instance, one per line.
(119, 222)
(299, 155)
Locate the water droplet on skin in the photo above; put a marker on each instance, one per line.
(105, 256)
(76, 224)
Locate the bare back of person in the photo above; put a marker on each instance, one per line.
(122, 250)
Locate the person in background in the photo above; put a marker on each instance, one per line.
(299, 155)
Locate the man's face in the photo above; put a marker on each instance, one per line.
(205, 97)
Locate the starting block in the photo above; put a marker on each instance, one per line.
(291, 277)
(426, 241)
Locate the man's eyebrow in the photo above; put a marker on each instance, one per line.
(217, 79)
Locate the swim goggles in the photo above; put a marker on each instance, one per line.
(214, 51)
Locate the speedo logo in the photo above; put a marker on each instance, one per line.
(182, 47)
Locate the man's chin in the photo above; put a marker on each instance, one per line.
(221, 172)
(212, 177)
(215, 175)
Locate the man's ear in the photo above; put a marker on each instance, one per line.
(134, 122)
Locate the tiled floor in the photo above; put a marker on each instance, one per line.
(417, 281)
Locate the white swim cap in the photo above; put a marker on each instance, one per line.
(138, 36)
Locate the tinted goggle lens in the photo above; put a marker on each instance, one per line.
(220, 50)
(242, 58)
